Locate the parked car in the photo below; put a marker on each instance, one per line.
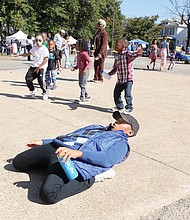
(183, 57)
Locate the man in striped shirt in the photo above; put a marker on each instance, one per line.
(123, 66)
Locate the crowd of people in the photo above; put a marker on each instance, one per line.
(93, 149)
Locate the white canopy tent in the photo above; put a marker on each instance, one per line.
(72, 40)
(20, 36)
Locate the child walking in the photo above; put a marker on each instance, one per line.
(172, 61)
(153, 54)
(53, 62)
(83, 64)
(123, 66)
(38, 69)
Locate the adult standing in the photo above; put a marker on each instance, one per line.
(29, 45)
(100, 50)
(164, 51)
(66, 50)
(58, 39)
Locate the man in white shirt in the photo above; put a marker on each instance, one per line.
(59, 42)
(39, 66)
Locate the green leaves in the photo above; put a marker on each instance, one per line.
(78, 17)
(144, 28)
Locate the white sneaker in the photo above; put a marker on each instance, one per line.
(109, 174)
(45, 96)
(114, 109)
(33, 93)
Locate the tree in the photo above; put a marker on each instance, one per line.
(15, 15)
(144, 28)
(78, 17)
(183, 12)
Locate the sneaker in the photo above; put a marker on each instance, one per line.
(54, 87)
(45, 96)
(79, 100)
(87, 97)
(109, 174)
(33, 93)
(114, 109)
(127, 111)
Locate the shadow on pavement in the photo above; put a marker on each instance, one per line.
(19, 96)
(33, 185)
(56, 100)
(73, 105)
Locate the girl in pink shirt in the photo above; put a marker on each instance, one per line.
(83, 65)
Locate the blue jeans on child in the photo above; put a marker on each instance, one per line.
(50, 78)
(127, 87)
(82, 83)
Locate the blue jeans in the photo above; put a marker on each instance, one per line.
(50, 78)
(66, 52)
(82, 83)
(127, 88)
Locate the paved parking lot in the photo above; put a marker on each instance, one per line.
(155, 175)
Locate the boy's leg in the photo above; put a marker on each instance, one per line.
(53, 76)
(169, 66)
(33, 158)
(56, 185)
(41, 79)
(117, 96)
(173, 65)
(128, 95)
(48, 79)
(30, 76)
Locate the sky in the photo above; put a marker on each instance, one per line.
(142, 8)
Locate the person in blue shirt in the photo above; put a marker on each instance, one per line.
(93, 149)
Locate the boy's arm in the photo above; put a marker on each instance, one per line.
(114, 70)
(25, 54)
(58, 64)
(133, 55)
(57, 60)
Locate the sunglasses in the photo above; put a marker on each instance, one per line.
(38, 40)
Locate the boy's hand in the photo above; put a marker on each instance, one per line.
(37, 70)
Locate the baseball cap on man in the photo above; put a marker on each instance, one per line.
(63, 31)
(129, 119)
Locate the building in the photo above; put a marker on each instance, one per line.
(176, 32)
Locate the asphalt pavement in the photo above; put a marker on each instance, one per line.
(153, 183)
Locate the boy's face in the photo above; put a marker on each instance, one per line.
(51, 45)
(120, 46)
(39, 41)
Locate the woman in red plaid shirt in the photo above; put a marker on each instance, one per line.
(123, 66)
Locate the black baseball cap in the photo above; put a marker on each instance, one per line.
(129, 119)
